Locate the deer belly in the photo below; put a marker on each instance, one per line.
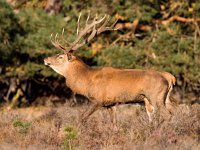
(111, 96)
(113, 92)
(120, 96)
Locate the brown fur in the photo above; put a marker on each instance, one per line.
(106, 86)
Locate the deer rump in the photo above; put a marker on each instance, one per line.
(108, 86)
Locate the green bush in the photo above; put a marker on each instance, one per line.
(28, 48)
(121, 56)
(21, 126)
(70, 135)
(10, 30)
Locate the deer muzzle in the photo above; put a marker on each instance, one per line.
(47, 62)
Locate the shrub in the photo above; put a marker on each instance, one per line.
(70, 135)
(21, 126)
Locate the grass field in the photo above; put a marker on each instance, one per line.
(59, 128)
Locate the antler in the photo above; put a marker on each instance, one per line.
(96, 27)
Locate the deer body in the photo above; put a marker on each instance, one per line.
(108, 86)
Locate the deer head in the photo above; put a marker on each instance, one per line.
(60, 62)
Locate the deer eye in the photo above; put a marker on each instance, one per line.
(60, 57)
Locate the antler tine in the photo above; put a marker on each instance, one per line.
(112, 26)
(53, 42)
(101, 19)
(89, 28)
(94, 32)
(51, 38)
(90, 31)
(63, 30)
(103, 25)
(85, 31)
(78, 23)
(56, 43)
(57, 40)
(62, 37)
(88, 17)
(103, 28)
(75, 47)
(56, 36)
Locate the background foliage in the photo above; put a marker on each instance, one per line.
(26, 26)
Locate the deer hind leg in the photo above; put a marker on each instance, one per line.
(168, 103)
(161, 105)
(149, 108)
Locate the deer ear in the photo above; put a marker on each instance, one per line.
(70, 57)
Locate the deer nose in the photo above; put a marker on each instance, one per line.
(46, 62)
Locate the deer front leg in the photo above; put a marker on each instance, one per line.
(74, 101)
(113, 116)
(90, 111)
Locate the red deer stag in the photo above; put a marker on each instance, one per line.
(108, 86)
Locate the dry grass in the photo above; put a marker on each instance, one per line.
(60, 128)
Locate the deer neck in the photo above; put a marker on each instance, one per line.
(77, 77)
